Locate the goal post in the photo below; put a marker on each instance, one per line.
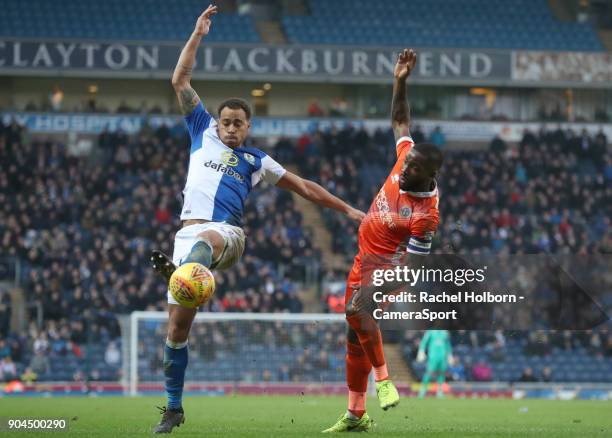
(229, 349)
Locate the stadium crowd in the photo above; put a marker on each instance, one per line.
(549, 193)
(82, 227)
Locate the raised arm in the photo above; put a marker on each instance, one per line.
(181, 78)
(317, 194)
(400, 110)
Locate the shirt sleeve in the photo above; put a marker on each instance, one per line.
(403, 145)
(271, 171)
(197, 121)
(422, 230)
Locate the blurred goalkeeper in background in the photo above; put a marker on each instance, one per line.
(222, 172)
(436, 348)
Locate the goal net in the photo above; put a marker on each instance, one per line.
(227, 350)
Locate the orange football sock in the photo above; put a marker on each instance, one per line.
(358, 369)
(357, 403)
(381, 373)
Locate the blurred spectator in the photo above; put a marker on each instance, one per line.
(527, 375)
(417, 134)
(547, 375)
(482, 372)
(497, 145)
(112, 356)
(338, 107)
(335, 302)
(56, 98)
(8, 369)
(314, 110)
(537, 344)
(5, 349)
(40, 363)
(457, 371)
(5, 312)
(28, 375)
(437, 137)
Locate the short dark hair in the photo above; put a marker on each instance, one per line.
(432, 154)
(235, 103)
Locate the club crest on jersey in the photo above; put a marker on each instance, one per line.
(405, 212)
(229, 158)
(250, 158)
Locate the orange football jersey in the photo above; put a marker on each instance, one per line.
(397, 220)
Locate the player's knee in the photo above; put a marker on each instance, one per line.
(214, 239)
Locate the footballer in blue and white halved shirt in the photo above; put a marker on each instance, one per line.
(222, 172)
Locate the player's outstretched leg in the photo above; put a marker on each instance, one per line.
(176, 357)
(360, 319)
(358, 369)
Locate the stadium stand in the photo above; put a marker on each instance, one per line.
(499, 24)
(118, 20)
(550, 193)
(83, 233)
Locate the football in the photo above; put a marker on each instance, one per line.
(192, 285)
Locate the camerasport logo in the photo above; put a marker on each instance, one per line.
(224, 169)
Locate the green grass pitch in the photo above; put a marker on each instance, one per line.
(237, 416)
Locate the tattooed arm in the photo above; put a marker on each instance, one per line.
(400, 110)
(181, 78)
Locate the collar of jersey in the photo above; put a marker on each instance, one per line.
(434, 192)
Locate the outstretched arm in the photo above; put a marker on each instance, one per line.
(400, 110)
(317, 194)
(181, 78)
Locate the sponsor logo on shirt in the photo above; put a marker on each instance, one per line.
(229, 158)
(224, 169)
(383, 209)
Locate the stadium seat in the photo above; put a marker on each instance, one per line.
(120, 20)
(523, 24)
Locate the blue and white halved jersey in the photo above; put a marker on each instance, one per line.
(219, 177)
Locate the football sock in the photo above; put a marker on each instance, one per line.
(369, 337)
(176, 356)
(440, 383)
(358, 369)
(381, 373)
(201, 253)
(424, 383)
(356, 404)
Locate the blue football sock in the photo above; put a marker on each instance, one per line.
(201, 252)
(175, 362)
